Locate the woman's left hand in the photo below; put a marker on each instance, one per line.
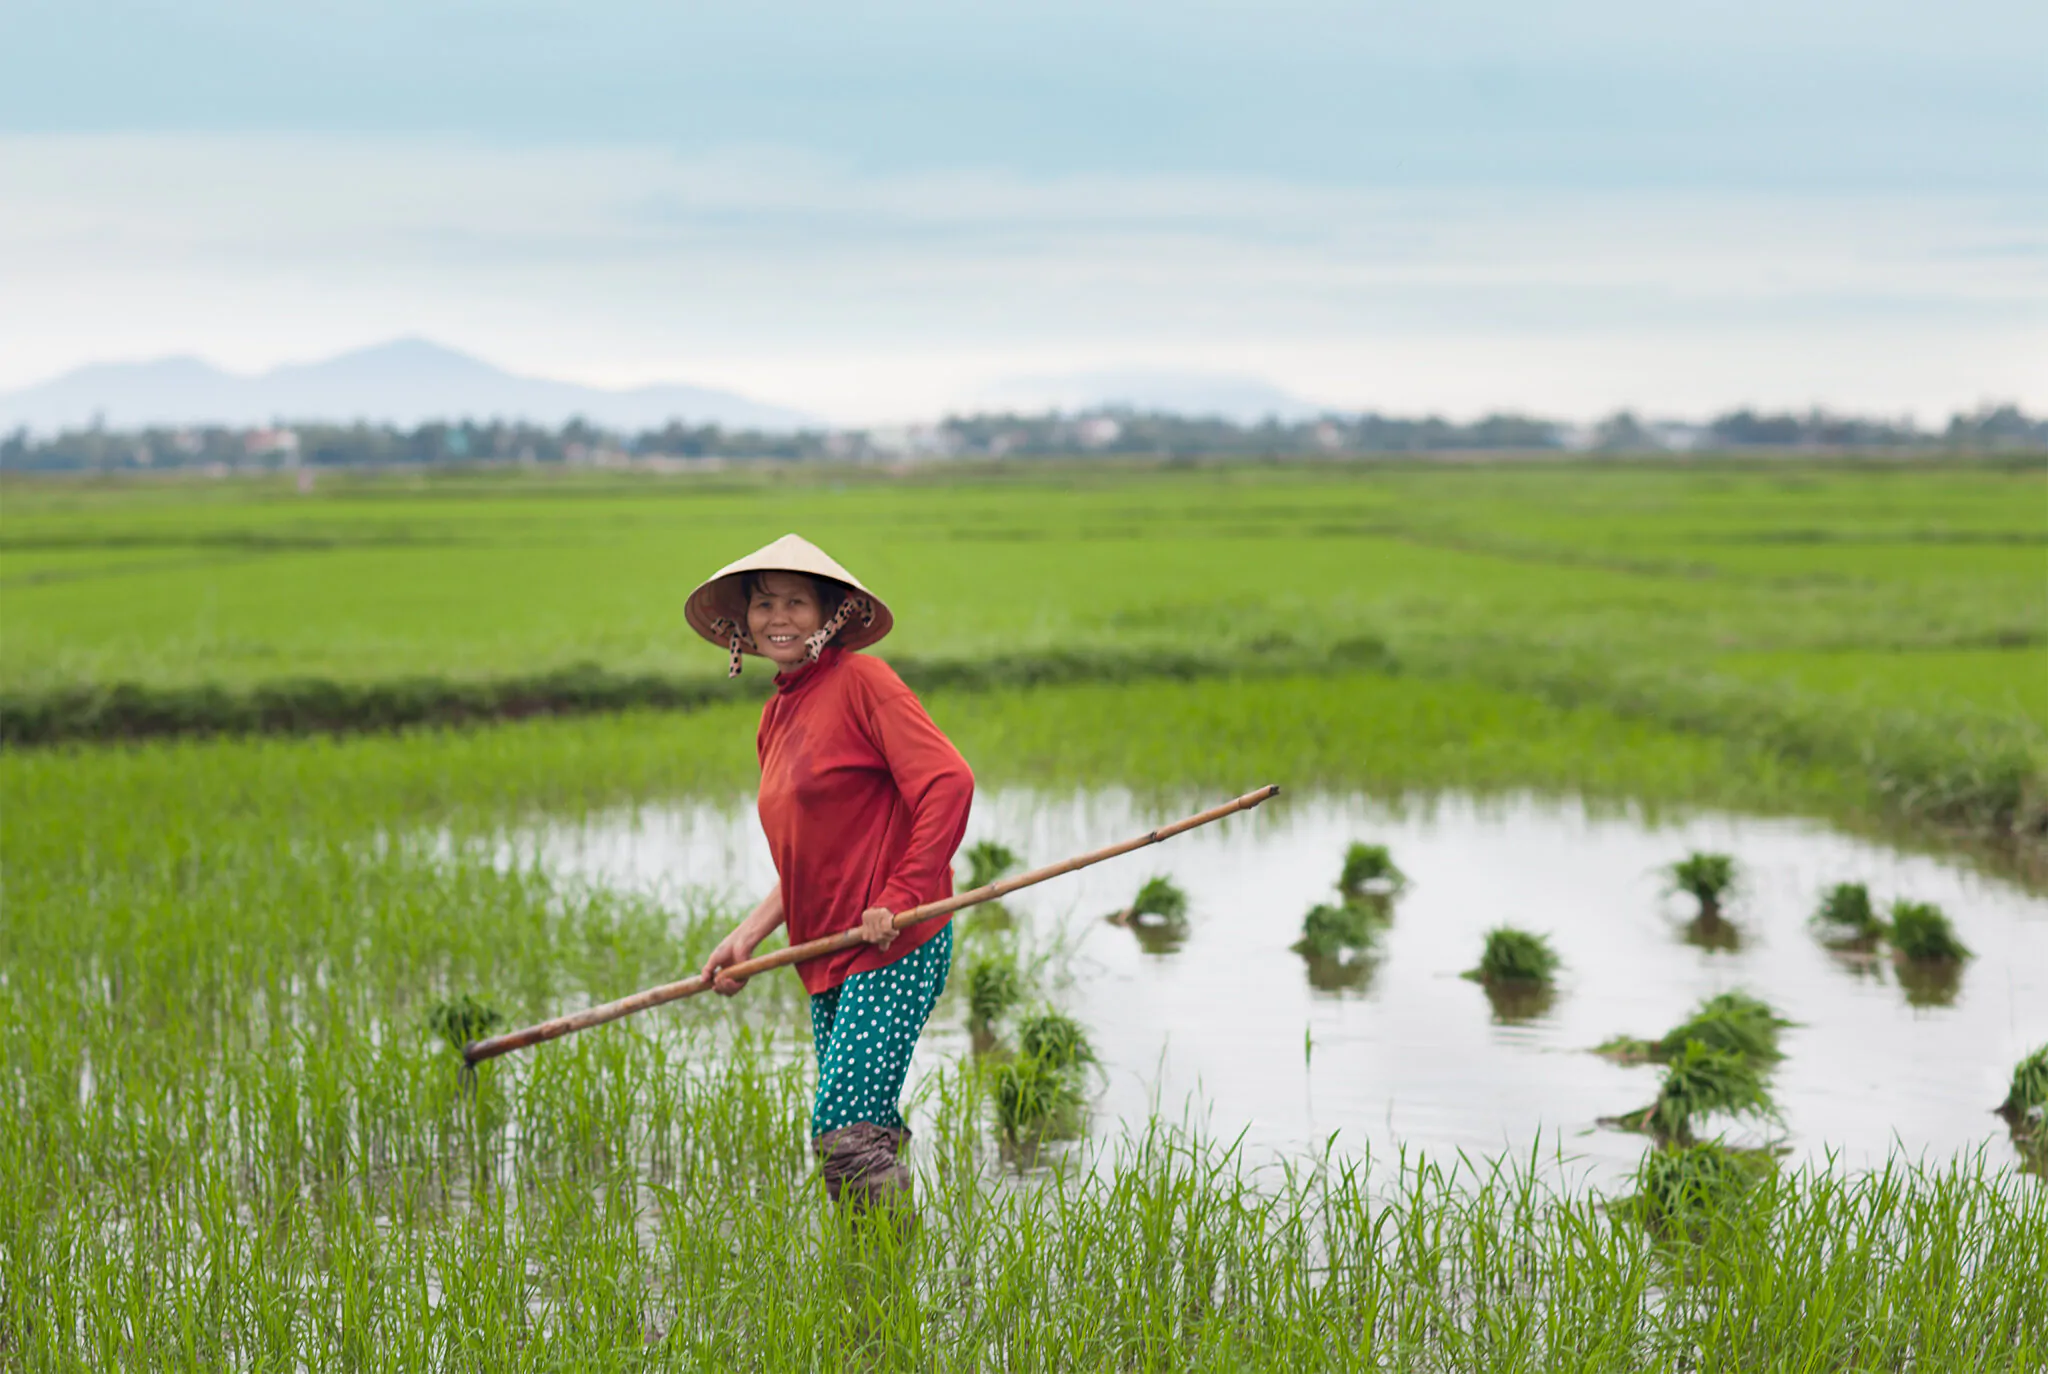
(878, 926)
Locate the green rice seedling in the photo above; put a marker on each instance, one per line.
(1055, 1039)
(2026, 1102)
(1160, 900)
(1033, 1098)
(1678, 1188)
(1700, 1082)
(462, 1019)
(1369, 870)
(1157, 916)
(994, 986)
(1845, 913)
(1514, 956)
(989, 861)
(1331, 932)
(1707, 878)
(1921, 932)
(1732, 1021)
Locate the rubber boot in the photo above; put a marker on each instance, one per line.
(862, 1165)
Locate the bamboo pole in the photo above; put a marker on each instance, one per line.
(490, 1048)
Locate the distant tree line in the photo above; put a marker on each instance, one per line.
(1104, 431)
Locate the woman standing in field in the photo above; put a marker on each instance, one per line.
(863, 801)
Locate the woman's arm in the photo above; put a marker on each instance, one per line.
(760, 923)
(938, 787)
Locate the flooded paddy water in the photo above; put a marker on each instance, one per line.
(1228, 1028)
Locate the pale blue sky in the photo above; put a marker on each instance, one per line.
(881, 209)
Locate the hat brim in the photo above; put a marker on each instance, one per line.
(722, 595)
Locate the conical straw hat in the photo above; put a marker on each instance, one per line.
(721, 594)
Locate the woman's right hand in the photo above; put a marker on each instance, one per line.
(731, 950)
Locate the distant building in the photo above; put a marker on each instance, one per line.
(1098, 431)
(271, 443)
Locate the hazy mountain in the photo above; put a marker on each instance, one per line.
(1233, 396)
(402, 382)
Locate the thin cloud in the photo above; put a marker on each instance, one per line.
(757, 266)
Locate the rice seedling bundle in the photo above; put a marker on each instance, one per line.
(1033, 1097)
(2026, 1102)
(463, 1019)
(1369, 869)
(1922, 932)
(1161, 899)
(1332, 931)
(1732, 1021)
(994, 986)
(1365, 883)
(1516, 956)
(1056, 1039)
(989, 860)
(1700, 1082)
(1846, 911)
(1707, 878)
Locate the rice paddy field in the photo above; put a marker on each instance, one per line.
(237, 1136)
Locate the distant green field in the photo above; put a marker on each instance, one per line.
(487, 576)
(1999, 683)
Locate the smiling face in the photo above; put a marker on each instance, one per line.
(783, 609)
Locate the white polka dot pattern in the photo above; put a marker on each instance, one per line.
(866, 1029)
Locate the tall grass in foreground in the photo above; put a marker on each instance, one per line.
(687, 1233)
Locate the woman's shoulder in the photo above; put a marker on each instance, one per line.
(872, 673)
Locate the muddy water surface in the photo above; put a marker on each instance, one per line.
(1229, 1027)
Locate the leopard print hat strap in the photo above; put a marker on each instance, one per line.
(854, 604)
(741, 641)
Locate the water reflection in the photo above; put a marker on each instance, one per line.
(1517, 1002)
(1930, 982)
(1218, 1014)
(1714, 932)
(1860, 956)
(1155, 934)
(1341, 974)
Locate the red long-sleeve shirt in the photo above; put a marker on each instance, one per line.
(863, 801)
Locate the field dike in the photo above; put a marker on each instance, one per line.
(296, 706)
(1984, 782)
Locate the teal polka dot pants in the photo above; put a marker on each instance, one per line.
(865, 1030)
